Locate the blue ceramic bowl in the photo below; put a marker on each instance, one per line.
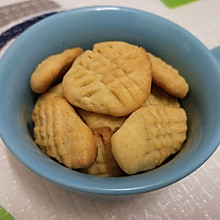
(83, 27)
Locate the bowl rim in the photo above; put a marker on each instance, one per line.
(109, 187)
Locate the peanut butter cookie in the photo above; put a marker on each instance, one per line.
(114, 78)
(62, 135)
(149, 136)
(52, 68)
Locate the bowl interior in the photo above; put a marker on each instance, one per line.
(83, 27)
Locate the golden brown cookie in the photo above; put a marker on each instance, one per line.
(149, 136)
(62, 135)
(168, 78)
(52, 68)
(95, 120)
(114, 79)
(105, 164)
(159, 97)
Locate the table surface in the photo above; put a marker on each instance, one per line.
(27, 196)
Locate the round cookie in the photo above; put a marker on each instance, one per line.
(114, 78)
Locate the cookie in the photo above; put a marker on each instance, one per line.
(113, 79)
(52, 69)
(168, 78)
(159, 97)
(105, 164)
(95, 120)
(61, 134)
(50, 93)
(148, 137)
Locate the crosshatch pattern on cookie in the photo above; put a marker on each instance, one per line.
(109, 81)
(62, 135)
(161, 131)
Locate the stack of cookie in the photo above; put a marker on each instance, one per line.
(109, 111)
